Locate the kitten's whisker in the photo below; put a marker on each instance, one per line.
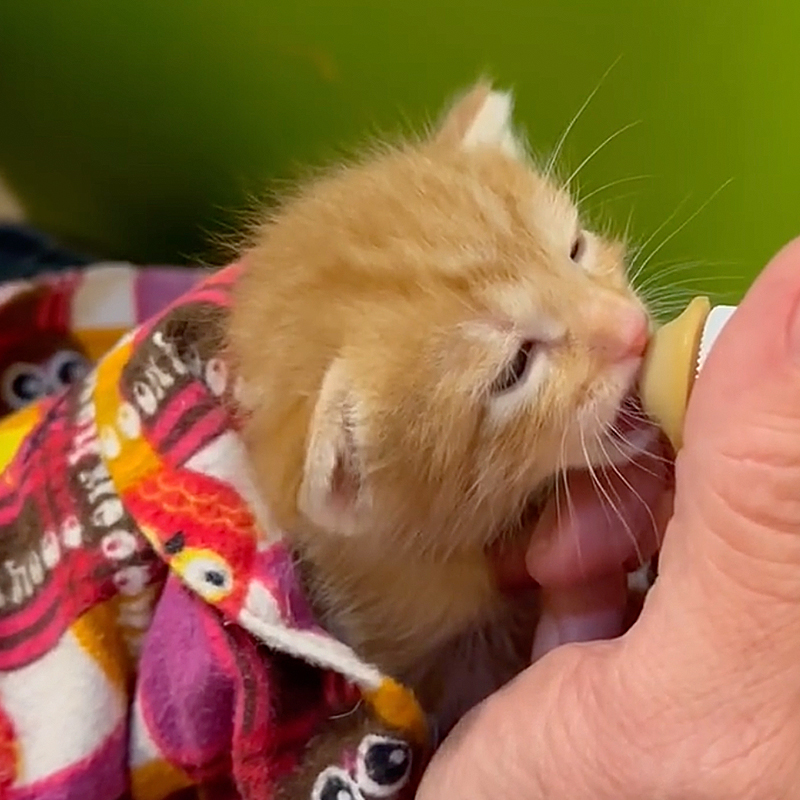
(558, 479)
(665, 269)
(659, 274)
(595, 209)
(641, 451)
(686, 222)
(641, 248)
(629, 451)
(551, 162)
(610, 185)
(673, 300)
(637, 414)
(595, 481)
(684, 285)
(639, 418)
(626, 235)
(667, 310)
(681, 295)
(678, 300)
(597, 149)
(565, 479)
(682, 262)
(638, 496)
(615, 507)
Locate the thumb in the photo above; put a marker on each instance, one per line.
(734, 538)
(554, 732)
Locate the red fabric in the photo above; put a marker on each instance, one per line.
(8, 754)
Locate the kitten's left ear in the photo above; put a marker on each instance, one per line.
(481, 117)
(332, 493)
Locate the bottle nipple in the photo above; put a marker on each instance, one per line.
(674, 358)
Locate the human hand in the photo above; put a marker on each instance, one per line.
(701, 697)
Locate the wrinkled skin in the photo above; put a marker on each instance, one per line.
(701, 697)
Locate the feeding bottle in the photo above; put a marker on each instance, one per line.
(674, 358)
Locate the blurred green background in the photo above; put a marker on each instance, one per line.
(138, 128)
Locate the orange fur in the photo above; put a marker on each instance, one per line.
(377, 308)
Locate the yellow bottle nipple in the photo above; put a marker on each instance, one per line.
(670, 367)
(674, 357)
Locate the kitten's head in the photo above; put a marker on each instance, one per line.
(426, 338)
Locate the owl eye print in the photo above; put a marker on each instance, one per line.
(382, 769)
(65, 368)
(24, 383)
(203, 570)
(383, 765)
(334, 783)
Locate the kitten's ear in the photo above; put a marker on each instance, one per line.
(332, 492)
(481, 117)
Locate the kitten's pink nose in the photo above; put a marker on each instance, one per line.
(624, 334)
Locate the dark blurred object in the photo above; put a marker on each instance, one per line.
(26, 252)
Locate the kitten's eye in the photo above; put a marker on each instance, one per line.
(578, 248)
(516, 369)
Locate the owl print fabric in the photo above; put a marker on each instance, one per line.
(55, 326)
(154, 638)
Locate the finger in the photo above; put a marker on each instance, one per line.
(582, 613)
(544, 736)
(602, 522)
(734, 542)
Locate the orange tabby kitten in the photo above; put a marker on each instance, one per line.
(425, 339)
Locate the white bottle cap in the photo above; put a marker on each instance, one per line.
(715, 321)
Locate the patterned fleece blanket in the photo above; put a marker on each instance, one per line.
(155, 641)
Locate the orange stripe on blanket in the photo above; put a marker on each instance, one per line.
(128, 458)
(96, 343)
(157, 780)
(99, 636)
(13, 430)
